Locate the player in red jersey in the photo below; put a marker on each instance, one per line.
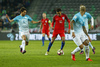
(46, 28)
(59, 21)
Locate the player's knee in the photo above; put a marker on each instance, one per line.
(24, 37)
(86, 42)
(81, 46)
(63, 41)
(26, 43)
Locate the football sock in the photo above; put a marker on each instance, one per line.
(42, 40)
(90, 45)
(87, 51)
(49, 46)
(23, 45)
(62, 45)
(82, 49)
(76, 50)
(49, 39)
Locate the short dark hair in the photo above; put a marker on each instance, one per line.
(58, 9)
(22, 9)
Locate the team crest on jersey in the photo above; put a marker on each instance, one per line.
(63, 18)
(25, 17)
(75, 17)
(84, 15)
(46, 21)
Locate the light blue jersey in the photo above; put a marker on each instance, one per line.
(23, 22)
(86, 16)
(79, 22)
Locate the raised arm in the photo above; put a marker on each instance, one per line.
(9, 19)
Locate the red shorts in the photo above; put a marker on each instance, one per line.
(61, 33)
(46, 32)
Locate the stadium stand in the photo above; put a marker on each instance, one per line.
(37, 7)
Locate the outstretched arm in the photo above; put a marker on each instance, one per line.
(35, 21)
(9, 19)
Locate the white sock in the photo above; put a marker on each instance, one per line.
(90, 45)
(82, 49)
(23, 45)
(76, 50)
(87, 51)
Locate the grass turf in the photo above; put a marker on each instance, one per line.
(10, 55)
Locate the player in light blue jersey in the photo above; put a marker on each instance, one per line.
(86, 17)
(22, 21)
(78, 32)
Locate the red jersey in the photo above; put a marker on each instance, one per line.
(45, 24)
(59, 22)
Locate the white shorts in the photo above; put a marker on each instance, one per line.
(79, 38)
(26, 34)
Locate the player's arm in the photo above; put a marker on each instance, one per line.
(9, 18)
(49, 24)
(68, 23)
(52, 24)
(92, 23)
(85, 31)
(40, 27)
(35, 21)
(92, 20)
(72, 30)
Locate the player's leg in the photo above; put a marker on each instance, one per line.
(78, 42)
(27, 39)
(43, 38)
(86, 43)
(93, 48)
(82, 51)
(51, 42)
(48, 35)
(23, 43)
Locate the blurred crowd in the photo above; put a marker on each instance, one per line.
(12, 8)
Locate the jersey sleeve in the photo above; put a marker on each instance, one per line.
(75, 18)
(30, 19)
(16, 18)
(67, 21)
(89, 16)
(53, 21)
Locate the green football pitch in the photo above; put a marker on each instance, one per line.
(10, 55)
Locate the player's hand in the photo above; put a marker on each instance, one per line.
(7, 16)
(89, 39)
(39, 31)
(68, 31)
(52, 28)
(92, 27)
(39, 21)
(73, 34)
(49, 28)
